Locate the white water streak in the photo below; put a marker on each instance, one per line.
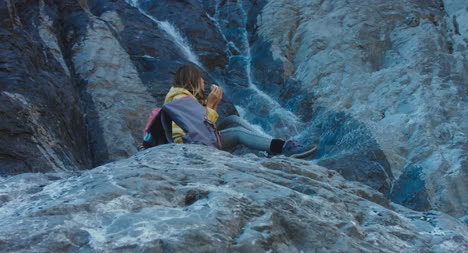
(248, 56)
(248, 70)
(214, 19)
(180, 41)
(185, 47)
(173, 33)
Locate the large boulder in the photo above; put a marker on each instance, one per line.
(193, 198)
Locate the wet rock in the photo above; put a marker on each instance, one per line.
(199, 199)
(409, 190)
(196, 27)
(347, 146)
(109, 64)
(412, 20)
(245, 80)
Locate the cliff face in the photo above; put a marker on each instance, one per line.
(79, 80)
(191, 198)
(399, 68)
(380, 86)
(42, 124)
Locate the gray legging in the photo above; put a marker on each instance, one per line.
(234, 130)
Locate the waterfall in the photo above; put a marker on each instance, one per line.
(248, 67)
(259, 108)
(173, 33)
(248, 55)
(181, 42)
(252, 99)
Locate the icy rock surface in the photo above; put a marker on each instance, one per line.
(191, 198)
(397, 67)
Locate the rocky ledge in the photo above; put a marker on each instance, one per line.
(191, 198)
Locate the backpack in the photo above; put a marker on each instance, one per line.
(189, 115)
(153, 134)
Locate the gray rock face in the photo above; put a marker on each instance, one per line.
(41, 126)
(379, 86)
(79, 81)
(191, 198)
(126, 65)
(120, 99)
(398, 68)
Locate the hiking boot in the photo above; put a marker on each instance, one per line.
(293, 148)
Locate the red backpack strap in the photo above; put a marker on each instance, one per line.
(151, 118)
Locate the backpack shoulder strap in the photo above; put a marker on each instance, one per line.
(155, 132)
(151, 118)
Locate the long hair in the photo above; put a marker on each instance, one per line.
(188, 76)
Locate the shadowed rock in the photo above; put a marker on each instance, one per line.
(42, 127)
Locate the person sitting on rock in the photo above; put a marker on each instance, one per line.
(188, 81)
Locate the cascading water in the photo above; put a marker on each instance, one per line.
(185, 47)
(259, 108)
(173, 33)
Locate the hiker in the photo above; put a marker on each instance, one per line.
(188, 82)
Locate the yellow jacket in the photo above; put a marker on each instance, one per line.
(175, 93)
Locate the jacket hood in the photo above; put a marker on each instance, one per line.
(177, 92)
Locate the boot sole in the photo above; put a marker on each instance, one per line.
(306, 153)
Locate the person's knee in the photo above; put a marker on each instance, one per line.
(230, 121)
(230, 137)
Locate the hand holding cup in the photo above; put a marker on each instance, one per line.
(215, 96)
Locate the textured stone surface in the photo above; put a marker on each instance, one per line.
(276, 101)
(41, 126)
(191, 198)
(127, 66)
(399, 68)
(99, 75)
(113, 87)
(380, 86)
